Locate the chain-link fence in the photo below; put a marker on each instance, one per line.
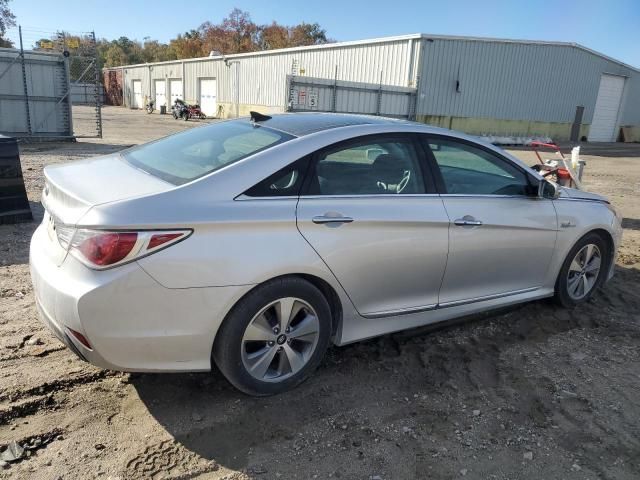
(68, 98)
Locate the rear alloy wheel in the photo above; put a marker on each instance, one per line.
(274, 338)
(583, 271)
(280, 339)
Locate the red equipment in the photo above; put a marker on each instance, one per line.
(552, 168)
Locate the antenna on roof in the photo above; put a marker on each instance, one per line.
(258, 117)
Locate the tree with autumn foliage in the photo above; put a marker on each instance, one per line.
(236, 33)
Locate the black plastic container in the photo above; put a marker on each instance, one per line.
(14, 206)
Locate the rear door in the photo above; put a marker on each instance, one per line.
(370, 211)
(502, 236)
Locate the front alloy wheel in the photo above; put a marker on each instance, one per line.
(584, 271)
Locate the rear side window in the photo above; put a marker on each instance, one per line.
(375, 166)
(286, 182)
(469, 170)
(186, 156)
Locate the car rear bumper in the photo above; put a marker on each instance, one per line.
(131, 321)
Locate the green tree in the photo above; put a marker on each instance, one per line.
(7, 20)
(308, 34)
(189, 45)
(154, 51)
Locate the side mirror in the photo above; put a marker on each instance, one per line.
(548, 189)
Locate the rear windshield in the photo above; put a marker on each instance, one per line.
(186, 156)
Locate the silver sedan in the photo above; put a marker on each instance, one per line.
(255, 244)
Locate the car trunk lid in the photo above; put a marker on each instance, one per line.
(72, 189)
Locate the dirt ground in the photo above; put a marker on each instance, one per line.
(531, 392)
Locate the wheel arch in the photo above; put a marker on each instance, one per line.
(605, 235)
(327, 290)
(608, 239)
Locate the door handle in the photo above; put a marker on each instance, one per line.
(467, 221)
(323, 219)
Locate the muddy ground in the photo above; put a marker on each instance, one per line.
(531, 392)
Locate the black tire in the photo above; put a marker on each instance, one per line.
(227, 349)
(185, 117)
(562, 296)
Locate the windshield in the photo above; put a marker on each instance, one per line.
(186, 156)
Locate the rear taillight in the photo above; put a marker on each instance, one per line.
(108, 248)
(101, 249)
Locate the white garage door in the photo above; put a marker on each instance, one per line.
(175, 90)
(136, 99)
(161, 98)
(605, 115)
(207, 99)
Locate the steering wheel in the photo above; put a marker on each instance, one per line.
(292, 180)
(404, 182)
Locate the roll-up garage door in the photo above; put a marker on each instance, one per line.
(208, 102)
(605, 115)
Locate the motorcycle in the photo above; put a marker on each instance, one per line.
(185, 111)
(150, 106)
(178, 109)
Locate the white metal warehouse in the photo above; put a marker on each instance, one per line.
(478, 85)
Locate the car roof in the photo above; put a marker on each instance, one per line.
(305, 123)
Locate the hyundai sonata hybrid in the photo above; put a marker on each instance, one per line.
(254, 244)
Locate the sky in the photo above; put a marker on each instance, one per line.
(611, 27)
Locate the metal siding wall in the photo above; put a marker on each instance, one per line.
(631, 101)
(514, 81)
(135, 73)
(263, 76)
(214, 68)
(351, 97)
(501, 80)
(46, 78)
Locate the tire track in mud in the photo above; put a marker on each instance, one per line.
(167, 458)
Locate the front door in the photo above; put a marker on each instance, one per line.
(370, 212)
(501, 237)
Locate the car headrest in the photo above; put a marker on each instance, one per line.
(387, 168)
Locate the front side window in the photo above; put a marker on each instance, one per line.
(469, 170)
(185, 156)
(369, 167)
